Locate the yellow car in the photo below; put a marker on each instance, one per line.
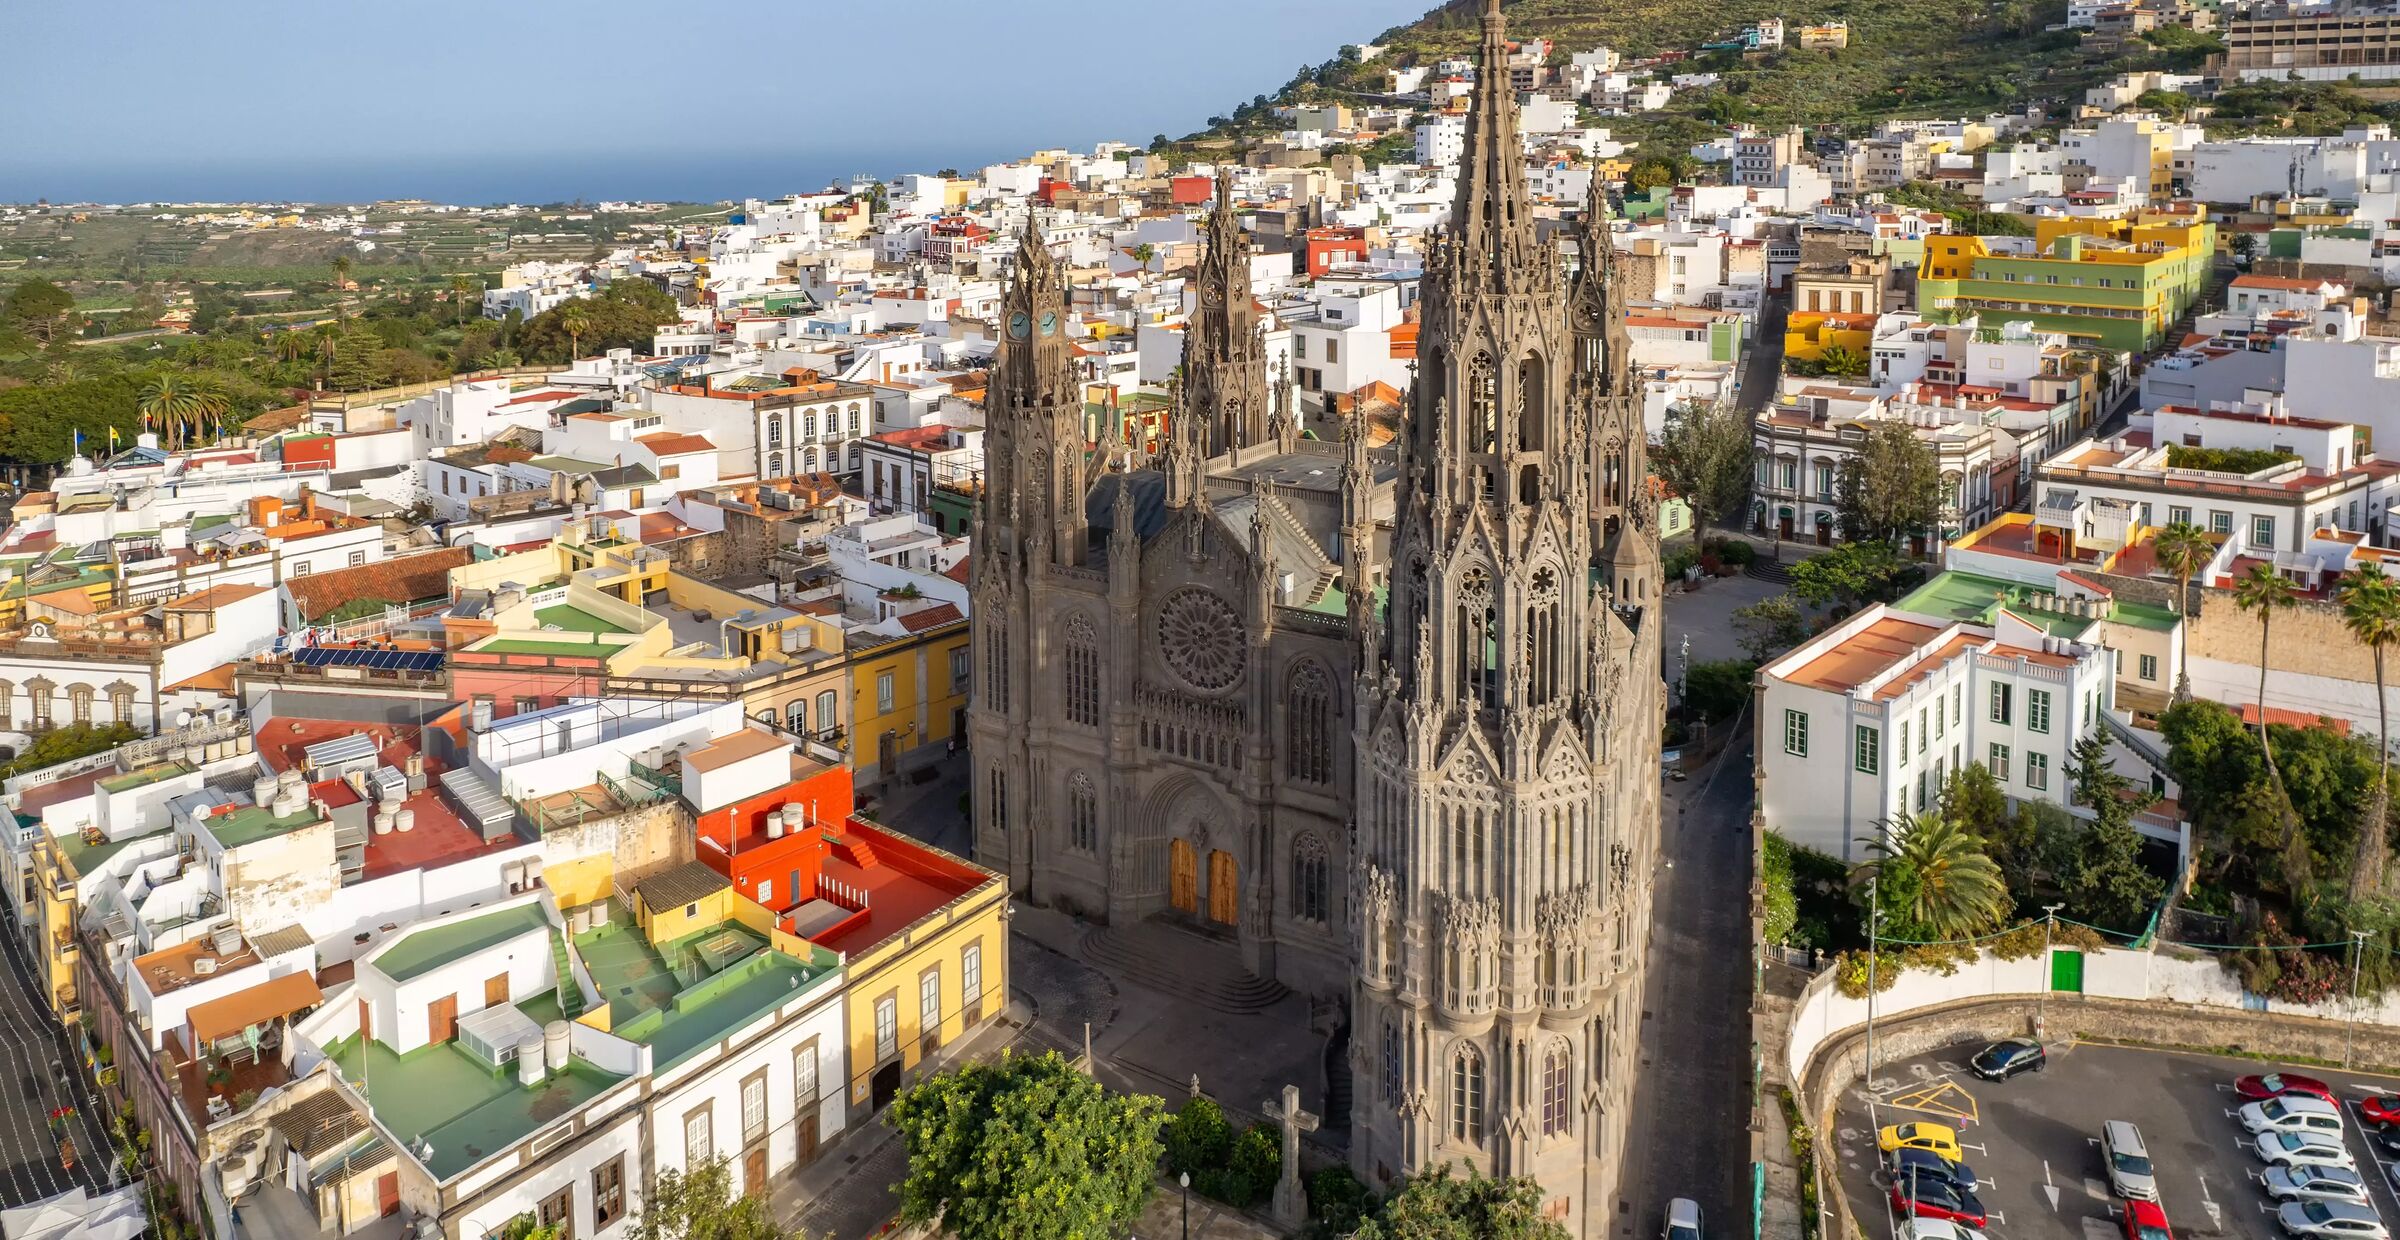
(1939, 1138)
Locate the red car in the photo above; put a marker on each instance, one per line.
(2277, 1084)
(2143, 1220)
(2380, 1109)
(1926, 1197)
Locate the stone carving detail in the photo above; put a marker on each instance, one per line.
(1201, 639)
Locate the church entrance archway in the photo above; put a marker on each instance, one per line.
(1183, 878)
(1224, 889)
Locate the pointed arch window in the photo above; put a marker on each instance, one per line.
(1388, 1060)
(1532, 403)
(1083, 673)
(996, 793)
(1308, 711)
(1466, 1096)
(1083, 814)
(1311, 900)
(995, 665)
(1483, 404)
(1478, 638)
(1556, 1091)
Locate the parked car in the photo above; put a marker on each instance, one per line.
(1939, 1138)
(2144, 1220)
(1937, 1229)
(1909, 1160)
(2292, 1113)
(2002, 1060)
(2380, 1108)
(2303, 1149)
(1683, 1219)
(2331, 1220)
(2128, 1161)
(2277, 1084)
(1926, 1197)
(2315, 1184)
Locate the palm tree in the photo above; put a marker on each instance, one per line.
(2183, 550)
(2371, 611)
(2265, 591)
(341, 277)
(175, 403)
(1959, 891)
(574, 321)
(329, 346)
(291, 346)
(462, 292)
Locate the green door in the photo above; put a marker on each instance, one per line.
(2066, 971)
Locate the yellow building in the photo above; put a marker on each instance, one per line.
(907, 692)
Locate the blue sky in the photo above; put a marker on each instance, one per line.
(550, 99)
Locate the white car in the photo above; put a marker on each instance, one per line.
(1937, 1229)
(2331, 1220)
(2303, 1149)
(2316, 1184)
(2297, 1113)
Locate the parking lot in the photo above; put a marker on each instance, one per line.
(2034, 1140)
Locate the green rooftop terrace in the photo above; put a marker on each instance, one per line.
(425, 950)
(465, 1109)
(146, 776)
(252, 823)
(575, 620)
(699, 1015)
(87, 857)
(1974, 598)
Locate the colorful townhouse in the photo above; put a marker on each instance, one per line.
(2116, 284)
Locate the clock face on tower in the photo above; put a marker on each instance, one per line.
(1019, 325)
(1050, 324)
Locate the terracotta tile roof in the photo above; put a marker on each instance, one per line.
(958, 572)
(667, 443)
(282, 996)
(931, 617)
(402, 579)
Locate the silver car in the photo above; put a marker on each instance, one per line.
(2331, 1220)
(2316, 1184)
(2302, 1149)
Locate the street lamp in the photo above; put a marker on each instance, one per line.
(2358, 940)
(1185, 1179)
(2041, 1010)
(1874, 919)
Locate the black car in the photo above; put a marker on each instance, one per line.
(2386, 1138)
(1928, 1165)
(2002, 1060)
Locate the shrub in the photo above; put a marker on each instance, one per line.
(1851, 971)
(1257, 1163)
(1775, 878)
(1198, 1139)
(1337, 1201)
(1680, 561)
(1717, 689)
(1736, 552)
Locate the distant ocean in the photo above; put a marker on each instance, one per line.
(480, 181)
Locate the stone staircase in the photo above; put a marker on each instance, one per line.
(1337, 1079)
(1180, 963)
(1777, 572)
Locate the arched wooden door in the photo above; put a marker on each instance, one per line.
(1183, 876)
(1224, 892)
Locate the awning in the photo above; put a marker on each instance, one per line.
(282, 996)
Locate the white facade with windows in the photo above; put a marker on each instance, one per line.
(766, 1098)
(1865, 722)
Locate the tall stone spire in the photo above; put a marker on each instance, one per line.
(1224, 359)
(1035, 463)
(1507, 730)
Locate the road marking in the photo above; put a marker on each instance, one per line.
(1977, 1148)
(1996, 1217)
(1944, 1097)
(2049, 1189)
(2208, 1203)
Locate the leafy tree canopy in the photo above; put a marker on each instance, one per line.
(700, 1204)
(1439, 1205)
(1025, 1148)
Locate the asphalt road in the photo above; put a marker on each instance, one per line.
(1691, 1101)
(2034, 1139)
(38, 1074)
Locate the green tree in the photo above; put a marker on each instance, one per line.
(2110, 884)
(1142, 252)
(574, 320)
(37, 308)
(2183, 550)
(1842, 362)
(622, 316)
(1973, 799)
(466, 297)
(2371, 611)
(1769, 626)
(1891, 487)
(1851, 574)
(1197, 1138)
(1782, 901)
(76, 740)
(1438, 1205)
(700, 1204)
(177, 405)
(1025, 1147)
(1717, 689)
(350, 364)
(2264, 591)
(1703, 455)
(1938, 880)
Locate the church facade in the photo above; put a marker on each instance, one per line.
(1388, 718)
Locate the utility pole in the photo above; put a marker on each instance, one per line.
(2358, 941)
(2041, 1005)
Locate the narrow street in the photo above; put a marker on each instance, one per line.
(1691, 1114)
(39, 1073)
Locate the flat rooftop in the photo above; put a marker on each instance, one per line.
(575, 620)
(244, 825)
(1864, 656)
(903, 881)
(630, 975)
(423, 951)
(701, 1014)
(466, 1110)
(1977, 599)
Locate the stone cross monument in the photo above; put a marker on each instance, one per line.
(1291, 1202)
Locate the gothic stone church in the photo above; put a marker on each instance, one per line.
(1388, 718)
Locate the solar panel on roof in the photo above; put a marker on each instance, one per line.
(373, 660)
